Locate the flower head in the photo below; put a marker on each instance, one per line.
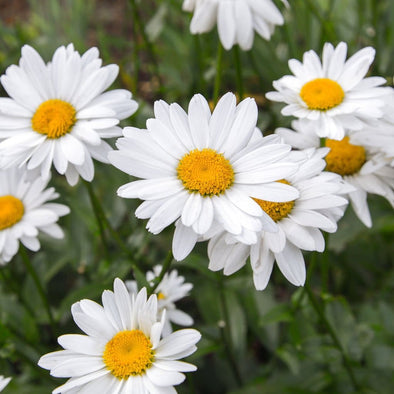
(333, 93)
(237, 20)
(360, 163)
(58, 112)
(122, 351)
(25, 210)
(201, 168)
(170, 289)
(318, 207)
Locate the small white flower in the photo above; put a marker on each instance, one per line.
(318, 207)
(25, 211)
(362, 167)
(171, 288)
(59, 114)
(201, 168)
(237, 20)
(3, 382)
(122, 351)
(332, 93)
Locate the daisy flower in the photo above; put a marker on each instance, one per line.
(202, 168)
(317, 208)
(3, 382)
(57, 112)
(25, 210)
(122, 351)
(332, 93)
(361, 166)
(237, 20)
(171, 288)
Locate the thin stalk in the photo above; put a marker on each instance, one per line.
(149, 46)
(102, 218)
(238, 72)
(198, 60)
(15, 289)
(257, 70)
(325, 266)
(135, 54)
(345, 359)
(225, 330)
(39, 286)
(311, 267)
(219, 70)
(327, 27)
(98, 213)
(164, 268)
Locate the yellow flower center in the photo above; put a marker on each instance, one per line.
(322, 94)
(276, 210)
(161, 296)
(206, 172)
(344, 158)
(54, 118)
(128, 353)
(11, 211)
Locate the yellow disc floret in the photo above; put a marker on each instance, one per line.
(161, 296)
(128, 353)
(206, 172)
(322, 94)
(276, 210)
(11, 211)
(344, 158)
(54, 118)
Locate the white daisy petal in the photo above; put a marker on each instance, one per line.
(236, 20)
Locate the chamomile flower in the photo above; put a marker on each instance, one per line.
(299, 221)
(237, 20)
(122, 351)
(362, 167)
(333, 93)
(26, 210)
(202, 168)
(57, 112)
(171, 289)
(3, 382)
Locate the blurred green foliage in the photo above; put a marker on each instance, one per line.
(277, 341)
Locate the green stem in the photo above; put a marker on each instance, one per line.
(327, 27)
(40, 288)
(219, 70)
(225, 330)
(164, 268)
(325, 265)
(105, 224)
(15, 289)
(135, 54)
(310, 269)
(100, 218)
(198, 60)
(345, 359)
(149, 46)
(238, 72)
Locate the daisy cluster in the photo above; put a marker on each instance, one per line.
(256, 198)
(339, 108)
